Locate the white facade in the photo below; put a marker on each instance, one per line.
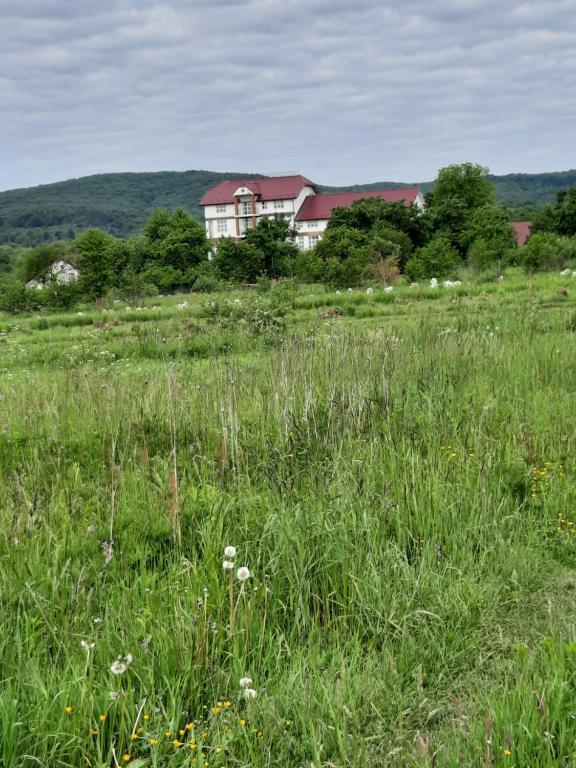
(231, 211)
(235, 219)
(61, 271)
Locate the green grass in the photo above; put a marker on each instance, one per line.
(399, 479)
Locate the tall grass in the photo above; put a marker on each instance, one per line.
(402, 492)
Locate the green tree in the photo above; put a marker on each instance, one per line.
(175, 239)
(238, 261)
(488, 237)
(560, 218)
(372, 214)
(95, 251)
(436, 259)
(458, 191)
(274, 239)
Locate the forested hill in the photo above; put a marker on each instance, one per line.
(121, 202)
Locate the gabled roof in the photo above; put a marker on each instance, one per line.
(522, 230)
(270, 188)
(319, 207)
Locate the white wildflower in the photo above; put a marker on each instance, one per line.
(566, 273)
(389, 289)
(230, 552)
(369, 291)
(118, 668)
(243, 573)
(114, 695)
(433, 283)
(245, 682)
(228, 565)
(249, 693)
(349, 290)
(87, 646)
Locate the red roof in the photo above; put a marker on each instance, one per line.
(522, 230)
(270, 188)
(320, 207)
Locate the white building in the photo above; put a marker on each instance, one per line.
(314, 215)
(63, 272)
(231, 208)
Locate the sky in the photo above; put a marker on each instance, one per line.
(342, 91)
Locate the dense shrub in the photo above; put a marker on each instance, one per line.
(547, 251)
(15, 297)
(437, 259)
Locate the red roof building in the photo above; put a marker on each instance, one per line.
(279, 188)
(233, 207)
(320, 207)
(522, 230)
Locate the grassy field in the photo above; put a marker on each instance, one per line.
(396, 470)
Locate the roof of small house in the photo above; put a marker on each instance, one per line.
(522, 230)
(270, 188)
(320, 207)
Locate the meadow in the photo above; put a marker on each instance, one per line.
(291, 529)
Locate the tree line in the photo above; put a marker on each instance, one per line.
(371, 241)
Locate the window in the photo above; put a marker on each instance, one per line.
(302, 243)
(311, 225)
(313, 239)
(278, 204)
(222, 226)
(221, 208)
(264, 206)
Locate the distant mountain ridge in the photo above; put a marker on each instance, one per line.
(120, 203)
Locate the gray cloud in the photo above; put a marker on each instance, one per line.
(345, 92)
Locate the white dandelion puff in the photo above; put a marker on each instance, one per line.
(87, 646)
(242, 573)
(245, 682)
(230, 552)
(118, 668)
(228, 565)
(249, 693)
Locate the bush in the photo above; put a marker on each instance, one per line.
(436, 259)
(547, 251)
(166, 278)
(15, 297)
(203, 278)
(259, 315)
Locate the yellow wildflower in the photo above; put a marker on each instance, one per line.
(101, 718)
(177, 743)
(93, 732)
(134, 737)
(146, 717)
(126, 758)
(152, 742)
(68, 710)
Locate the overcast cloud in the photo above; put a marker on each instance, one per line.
(344, 92)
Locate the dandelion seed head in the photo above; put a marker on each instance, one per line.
(230, 552)
(228, 565)
(242, 573)
(245, 682)
(249, 693)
